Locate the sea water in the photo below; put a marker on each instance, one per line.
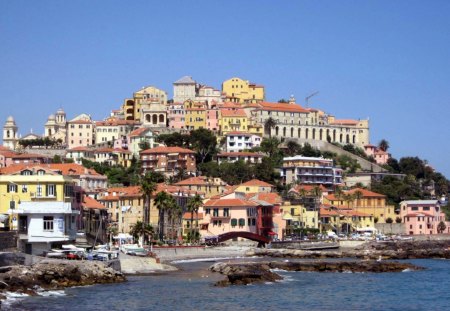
(192, 288)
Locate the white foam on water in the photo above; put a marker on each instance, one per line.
(50, 293)
(278, 270)
(407, 270)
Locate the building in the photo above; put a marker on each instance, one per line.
(381, 157)
(240, 141)
(343, 220)
(184, 89)
(248, 157)
(422, 216)
(176, 115)
(210, 186)
(254, 186)
(80, 132)
(310, 170)
(169, 160)
(243, 91)
(40, 204)
(208, 95)
(96, 220)
(113, 156)
(232, 120)
(138, 139)
(112, 129)
(78, 153)
(367, 178)
(195, 115)
(133, 108)
(56, 126)
(10, 134)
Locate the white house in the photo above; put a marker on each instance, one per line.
(240, 141)
(44, 225)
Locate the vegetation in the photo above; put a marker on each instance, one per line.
(41, 142)
(192, 206)
(140, 231)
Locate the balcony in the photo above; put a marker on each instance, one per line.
(220, 217)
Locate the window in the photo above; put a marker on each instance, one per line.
(24, 188)
(414, 208)
(226, 212)
(216, 212)
(48, 223)
(12, 188)
(233, 222)
(39, 190)
(241, 222)
(41, 172)
(51, 190)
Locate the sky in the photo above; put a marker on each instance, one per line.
(383, 60)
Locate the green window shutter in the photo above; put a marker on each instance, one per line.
(241, 222)
(233, 222)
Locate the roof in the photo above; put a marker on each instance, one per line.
(139, 132)
(272, 197)
(163, 149)
(89, 202)
(308, 188)
(256, 182)
(229, 202)
(233, 113)
(365, 193)
(238, 133)
(421, 202)
(185, 80)
(197, 180)
(188, 215)
(282, 107)
(240, 154)
(65, 168)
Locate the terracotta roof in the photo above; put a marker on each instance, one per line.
(115, 122)
(238, 133)
(308, 188)
(366, 193)
(272, 197)
(324, 212)
(198, 180)
(229, 202)
(163, 150)
(231, 105)
(282, 107)
(139, 132)
(67, 169)
(233, 113)
(256, 182)
(89, 202)
(187, 216)
(243, 154)
(27, 156)
(80, 122)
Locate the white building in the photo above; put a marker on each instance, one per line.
(44, 225)
(184, 89)
(240, 141)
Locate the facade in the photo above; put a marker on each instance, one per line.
(310, 170)
(78, 153)
(209, 186)
(184, 89)
(113, 156)
(243, 91)
(110, 130)
(96, 220)
(240, 141)
(232, 121)
(168, 160)
(176, 115)
(195, 115)
(139, 136)
(142, 100)
(80, 132)
(343, 220)
(421, 216)
(208, 95)
(254, 186)
(40, 205)
(56, 126)
(248, 157)
(381, 157)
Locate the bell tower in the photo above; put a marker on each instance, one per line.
(10, 136)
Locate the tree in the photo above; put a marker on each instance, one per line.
(282, 101)
(162, 202)
(204, 142)
(270, 146)
(269, 124)
(441, 227)
(141, 230)
(144, 145)
(193, 205)
(293, 148)
(383, 145)
(56, 159)
(398, 220)
(147, 188)
(389, 220)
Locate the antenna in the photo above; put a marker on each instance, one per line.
(309, 96)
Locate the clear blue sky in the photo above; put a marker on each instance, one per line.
(387, 60)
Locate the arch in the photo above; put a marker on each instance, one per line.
(8, 134)
(320, 134)
(147, 117)
(354, 139)
(154, 119)
(292, 132)
(334, 135)
(307, 134)
(49, 132)
(242, 234)
(161, 118)
(299, 132)
(340, 138)
(347, 139)
(276, 130)
(314, 134)
(284, 131)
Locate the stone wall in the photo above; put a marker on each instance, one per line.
(8, 240)
(393, 228)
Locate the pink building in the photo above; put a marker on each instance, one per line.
(212, 117)
(176, 115)
(422, 216)
(380, 156)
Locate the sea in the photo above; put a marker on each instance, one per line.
(192, 288)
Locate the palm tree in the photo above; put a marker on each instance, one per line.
(383, 145)
(192, 206)
(317, 193)
(358, 195)
(269, 124)
(292, 147)
(162, 202)
(140, 230)
(174, 212)
(147, 189)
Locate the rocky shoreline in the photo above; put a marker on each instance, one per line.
(370, 251)
(54, 274)
(259, 272)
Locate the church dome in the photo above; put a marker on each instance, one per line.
(51, 117)
(60, 111)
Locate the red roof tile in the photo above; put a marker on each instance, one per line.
(230, 203)
(164, 150)
(256, 182)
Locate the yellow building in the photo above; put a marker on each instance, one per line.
(297, 216)
(132, 107)
(195, 115)
(209, 186)
(342, 220)
(232, 120)
(27, 185)
(243, 91)
(254, 186)
(364, 201)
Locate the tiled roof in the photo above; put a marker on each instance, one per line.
(67, 169)
(256, 182)
(345, 122)
(163, 150)
(198, 180)
(233, 113)
(187, 216)
(242, 154)
(185, 80)
(282, 107)
(366, 193)
(229, 202)
(89, 202)
(139, 132)
(308, 188)
(272, 197)
(238, 133)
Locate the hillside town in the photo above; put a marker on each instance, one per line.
(209, 165)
